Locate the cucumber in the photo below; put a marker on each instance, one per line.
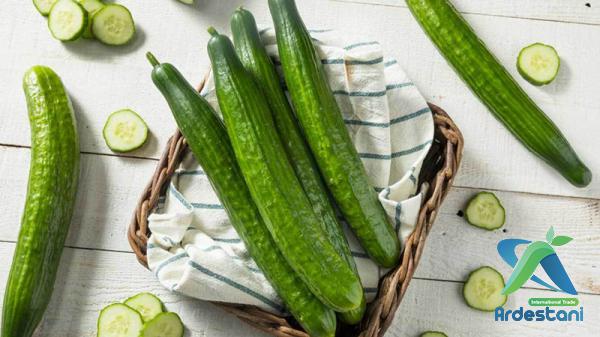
(433, 334)
(44, 6)
(327, 136)
(208, 140)
(254, 56)
(187, 2)
(148, 305)
(538, 63)
(483, 289)
(92, 7)
(67, 20)
(496, 88)
(485, 211)
(273, 185)
(125, 131)
(166, 324)
(119, 320)
(113, 25)
(51, 191)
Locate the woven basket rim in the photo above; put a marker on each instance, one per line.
(439, 170)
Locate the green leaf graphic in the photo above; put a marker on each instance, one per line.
(561, 240)
(550, 234)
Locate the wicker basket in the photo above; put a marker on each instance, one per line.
(439, 169)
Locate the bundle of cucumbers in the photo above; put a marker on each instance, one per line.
(274, 166)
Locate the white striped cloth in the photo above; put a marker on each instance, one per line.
(195, 251)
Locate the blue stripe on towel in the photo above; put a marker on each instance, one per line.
(169, 261)
(364, 62)
(397, 216)
(190, 173)
(417, 148)
(207, 206)
(392, 122)
(228, 240)
(236, 285)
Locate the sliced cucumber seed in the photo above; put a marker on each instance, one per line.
(113, 25)
(119, 320)
(148, 305)
(483, 289)
(125, 131)
(67, 20)
(538, 63)
(44, 6)
(167, 324)
(485, 211)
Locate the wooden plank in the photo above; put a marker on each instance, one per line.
(454, 248)
(108, 191)
(89, 280)
(102, 79)
(110, 187)
(435, 305)
(586, 12)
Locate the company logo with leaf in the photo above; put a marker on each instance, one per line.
(538, 253)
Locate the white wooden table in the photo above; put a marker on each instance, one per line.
(98, 267)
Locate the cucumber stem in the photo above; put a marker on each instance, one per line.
(212, 31)
(153, 61)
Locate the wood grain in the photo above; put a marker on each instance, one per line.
(101, 79)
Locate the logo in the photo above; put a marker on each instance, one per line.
(538, 253)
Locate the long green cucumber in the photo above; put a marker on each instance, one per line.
(327, 136)
(273, 185)
(209, 142)
(51, 191)
(254, 57)
(496, 88)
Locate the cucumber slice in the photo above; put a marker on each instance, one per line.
(92, 7)
(146, 304)
(113, 25)
(119, 320)
(485, 211)
(167, 324)
(67, 20)
(44, 6)
(125, 131)
(433, 334)
(188, 2)
(483, 289)
(538, 63)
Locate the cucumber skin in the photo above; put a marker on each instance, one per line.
(496, 88)
(51, 191)
(327, 136)
(526, 76)
(255, 59)
(208, 140)
(273, 185)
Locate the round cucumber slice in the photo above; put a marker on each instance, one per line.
(92, 7)
(146, 304)
(113, 25)
(125, 131)
(483, 289)
(44, 6)
(119, 320)
(485, 211)
(67, 20)
(167, 324)
(188, 2)
(433, 334)
(538, 63)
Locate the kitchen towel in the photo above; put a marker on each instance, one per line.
(195, 251)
